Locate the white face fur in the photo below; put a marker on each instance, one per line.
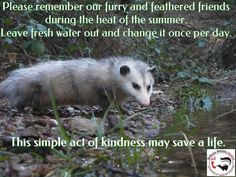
(137, 82)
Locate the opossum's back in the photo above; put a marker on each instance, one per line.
(67, 79)
(21, 81)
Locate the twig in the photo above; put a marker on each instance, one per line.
(28, 57)
(226, 113)
(191, 154)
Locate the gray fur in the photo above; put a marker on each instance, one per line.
(83, 81)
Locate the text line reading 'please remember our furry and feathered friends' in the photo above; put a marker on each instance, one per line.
(108, 7)
(129, 20)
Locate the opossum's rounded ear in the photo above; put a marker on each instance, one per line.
(124, 70)
(152, 69)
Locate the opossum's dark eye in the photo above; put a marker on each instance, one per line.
(148, 88)
(136, 86)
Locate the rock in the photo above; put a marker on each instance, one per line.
(82, 124)
(71, 110)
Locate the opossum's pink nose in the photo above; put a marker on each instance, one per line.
(145, 102)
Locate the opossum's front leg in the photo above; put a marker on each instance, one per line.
(33, 97)
(20, 105)
(21, 102)
(104, 99)
(105, 106)
(36, 107)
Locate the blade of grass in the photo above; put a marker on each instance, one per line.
(62, 131)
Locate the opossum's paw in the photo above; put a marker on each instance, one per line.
(39, 109)
(22, 107)
(99, 112)
(126, 111)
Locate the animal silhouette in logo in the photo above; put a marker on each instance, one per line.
(224, 166)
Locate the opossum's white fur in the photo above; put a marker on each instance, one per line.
(84, 81)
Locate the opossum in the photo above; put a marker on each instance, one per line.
(82, 81)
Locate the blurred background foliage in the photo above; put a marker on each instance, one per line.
(172, 56)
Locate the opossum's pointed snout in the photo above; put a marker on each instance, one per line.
(145, 102)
